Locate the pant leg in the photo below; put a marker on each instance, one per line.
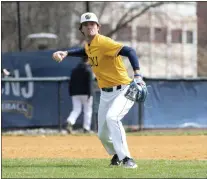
(76, 102)
(103, 132)
(118, 109)
(87, 109)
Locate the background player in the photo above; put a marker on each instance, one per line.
(104, 56)
(80, 90)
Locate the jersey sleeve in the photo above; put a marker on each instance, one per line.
(110, 47)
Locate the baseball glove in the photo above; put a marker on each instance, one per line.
(137, 91)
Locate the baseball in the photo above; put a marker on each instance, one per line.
(57, 56)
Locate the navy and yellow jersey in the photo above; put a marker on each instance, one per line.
(108, 68)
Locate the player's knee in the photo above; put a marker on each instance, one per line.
(110, 117)
(77, 110)
(114, 117)
(88, 113)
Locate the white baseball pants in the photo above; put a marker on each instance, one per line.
(113, 107)
(78, 101)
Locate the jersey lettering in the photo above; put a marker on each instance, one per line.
(94, 61)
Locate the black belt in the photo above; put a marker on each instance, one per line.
(111, 89)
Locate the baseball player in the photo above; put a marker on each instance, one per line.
(118, 91)
(80, 90)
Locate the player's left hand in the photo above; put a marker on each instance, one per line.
(137, 90)
(139, 80)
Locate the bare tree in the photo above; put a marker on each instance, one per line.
(36, 17)
(202, 38)
(123, 23)
(9, 26)
(202, 62)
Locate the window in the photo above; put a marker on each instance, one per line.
(143, 34)
(189, 37)
(160, 35)
(176, 36)
(124, 34)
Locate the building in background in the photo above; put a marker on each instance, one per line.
(166, 39)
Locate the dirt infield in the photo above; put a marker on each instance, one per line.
(141, 147)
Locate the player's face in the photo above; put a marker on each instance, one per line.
(90, 29)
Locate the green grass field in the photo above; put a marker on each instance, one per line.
(99, 168)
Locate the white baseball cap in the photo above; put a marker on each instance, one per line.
(89, 17)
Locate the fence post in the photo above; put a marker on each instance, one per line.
(19, 26)
(140, 116)
(59, 103)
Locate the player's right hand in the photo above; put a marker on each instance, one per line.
(59, 55)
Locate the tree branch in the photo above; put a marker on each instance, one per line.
(124, 16)
(119, 26)
(76, 12)
(104, 5)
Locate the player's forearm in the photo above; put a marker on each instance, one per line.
(76, 52)
(132, 56)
